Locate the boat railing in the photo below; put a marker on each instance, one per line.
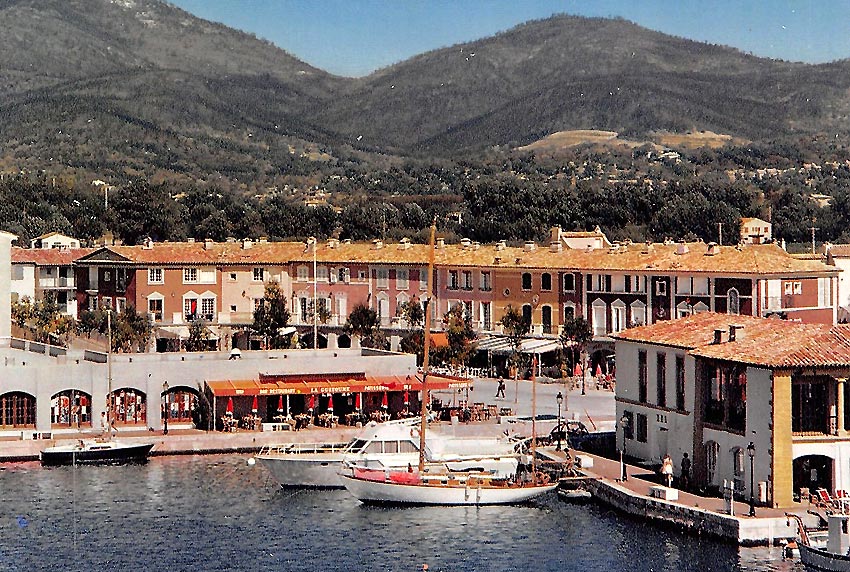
(302, 448)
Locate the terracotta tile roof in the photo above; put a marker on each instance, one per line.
(759, 341)
(840, 250)
(48, 256)
(221, 253)
(748, 260)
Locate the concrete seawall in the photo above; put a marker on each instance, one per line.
(691, 513)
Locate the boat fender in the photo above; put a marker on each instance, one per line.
(543, 478)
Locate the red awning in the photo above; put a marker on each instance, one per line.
(309, 385)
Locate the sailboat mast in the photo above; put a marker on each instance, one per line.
(534, 419)
(109, 371)
(423, 422)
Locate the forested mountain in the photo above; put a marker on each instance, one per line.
(197, 130)
(139, 87)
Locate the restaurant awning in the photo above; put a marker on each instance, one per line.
(502, 345)
(334, 383)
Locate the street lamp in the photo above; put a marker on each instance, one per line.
(751, 452)
(624, 423)
(165, 418)
(560, 399)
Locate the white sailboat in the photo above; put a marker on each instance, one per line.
(98, 451)
(435, 483)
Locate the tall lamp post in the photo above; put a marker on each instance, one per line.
(624, 423)
(312, 241)
(166, 409)
(560, 399)
(751, 452)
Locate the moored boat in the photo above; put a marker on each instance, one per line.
(440, 487)
(95, 452)
(831, 557)
(388, 445)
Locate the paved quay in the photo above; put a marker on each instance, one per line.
(693, 513)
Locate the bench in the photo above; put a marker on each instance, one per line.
(664, 493)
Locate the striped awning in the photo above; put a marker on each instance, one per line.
(502, 345)
(334, 383)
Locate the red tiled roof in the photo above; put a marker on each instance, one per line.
(48, 256)
(759, 341)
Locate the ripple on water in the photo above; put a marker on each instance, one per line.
(215, 513)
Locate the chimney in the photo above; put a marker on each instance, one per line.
(247, 243)
(718, 336)
(208, 242)
(555, 234)
(476, 245)
(404, 243)
(733, 330)
(497, 260)
(713, 249)
(556, 246)
(333, 242)
(264, 240)
(501, 245)
(191, 240)
(647, 247)
(346, 241)
(529, 245)
(465, 242)
(682, 248)
(441, 243)
(147, 244)
(377, 244)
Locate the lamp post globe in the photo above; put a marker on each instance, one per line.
(751, 452)
(166, 411)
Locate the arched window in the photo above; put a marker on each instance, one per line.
(638, 313)
(526, 281)
(618, 316)
(546, 281)
(600, 318)
(569, 312)
(547, 319)
(733, 302)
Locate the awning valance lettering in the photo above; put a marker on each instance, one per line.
(309, 385)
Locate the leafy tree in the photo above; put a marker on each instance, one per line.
(575, 335)
(461, 338)
(271, 316)
(413, 313)
(198, 336)
(143, 210)
(131, 331)
(363, 322)
(43, 318)
(516, 327)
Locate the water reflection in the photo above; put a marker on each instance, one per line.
(214, 512)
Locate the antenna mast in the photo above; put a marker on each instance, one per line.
(423, 423)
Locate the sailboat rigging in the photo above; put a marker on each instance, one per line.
(434, 483)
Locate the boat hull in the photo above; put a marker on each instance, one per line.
(320, 470)
(819, 560)
(390, 493)
(58, 456)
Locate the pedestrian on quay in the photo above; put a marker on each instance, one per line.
(685, 478)
(500, 392)
(667, 470)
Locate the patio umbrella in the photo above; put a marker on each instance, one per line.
(358, 403)
(254, 405)
(384, 400)
(406, 398)
(598, 370)
(330, 403)
(280, 404)
(577, 370)
(229, 409)
(312, 402)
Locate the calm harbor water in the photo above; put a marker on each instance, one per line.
(217, 513)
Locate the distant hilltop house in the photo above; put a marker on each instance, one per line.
(54, 240)
(756, 231)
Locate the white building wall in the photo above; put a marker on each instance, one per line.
(24, 286)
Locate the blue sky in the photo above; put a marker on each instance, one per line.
(355, 37)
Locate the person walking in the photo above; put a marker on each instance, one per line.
(667, 470)
(500, 392)
(685, 477)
